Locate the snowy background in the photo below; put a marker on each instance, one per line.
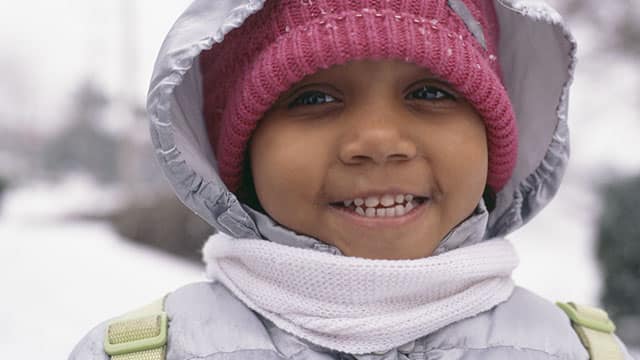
(63, 268)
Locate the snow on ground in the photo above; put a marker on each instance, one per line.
(62, 277)
(76, 195)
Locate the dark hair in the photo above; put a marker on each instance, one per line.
(247, 191)
(489, 197)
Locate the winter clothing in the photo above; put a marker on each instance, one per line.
(290, 39)
(216, 321)
(209, 323)
(361, 306)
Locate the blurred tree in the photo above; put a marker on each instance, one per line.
(619, 255)
(151, 213)
(83, 145)
(3, 185)
(164, 222)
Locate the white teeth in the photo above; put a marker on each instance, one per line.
(394, 205)
(370, 212)
(371, 201)
(387, 200)
(409, 207)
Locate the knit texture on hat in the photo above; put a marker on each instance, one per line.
(290, 39)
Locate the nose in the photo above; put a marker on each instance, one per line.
(377, 139)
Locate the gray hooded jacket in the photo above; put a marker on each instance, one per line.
(207, 322)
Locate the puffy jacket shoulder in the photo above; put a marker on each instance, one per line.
(525, 326)
(205, 321)
(91, 346)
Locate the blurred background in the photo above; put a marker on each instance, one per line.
(89, 229)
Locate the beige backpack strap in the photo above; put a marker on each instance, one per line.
(595, 330)
(138, 335)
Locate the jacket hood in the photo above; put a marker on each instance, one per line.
(537, 56)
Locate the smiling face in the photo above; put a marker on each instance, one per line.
(378, 158)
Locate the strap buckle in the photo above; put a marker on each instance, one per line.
(127, 336)
(589, 317)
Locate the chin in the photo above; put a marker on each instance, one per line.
(389, 248)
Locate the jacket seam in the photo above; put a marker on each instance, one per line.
(297, 353)
(517, 348)
(465, 348)
(195, 357)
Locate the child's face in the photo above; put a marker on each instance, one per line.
(370, 129)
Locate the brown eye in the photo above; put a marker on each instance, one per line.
(312, 98)
(430, 93)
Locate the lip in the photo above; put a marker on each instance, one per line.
(381, 222)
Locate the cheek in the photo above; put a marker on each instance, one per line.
(462, 170)
(471, 163)
(287, 169)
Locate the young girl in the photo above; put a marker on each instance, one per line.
(362, 161)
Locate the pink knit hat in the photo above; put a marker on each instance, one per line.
(289, 39)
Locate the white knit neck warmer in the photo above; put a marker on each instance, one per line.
(356, 305)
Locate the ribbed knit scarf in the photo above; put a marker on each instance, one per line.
(357, 305)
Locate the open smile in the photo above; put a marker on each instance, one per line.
(381, 210)
(382, 206)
